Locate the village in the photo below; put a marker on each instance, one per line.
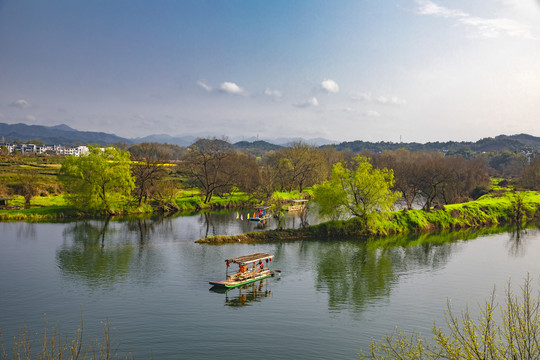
(45, 149)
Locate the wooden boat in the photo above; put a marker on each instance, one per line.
(261, 214)
(250, 268)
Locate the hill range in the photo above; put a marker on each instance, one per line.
(65, 135)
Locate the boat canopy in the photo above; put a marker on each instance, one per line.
(248, 259)
(262, 207)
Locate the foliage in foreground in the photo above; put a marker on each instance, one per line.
(507, 331)
(51, 344)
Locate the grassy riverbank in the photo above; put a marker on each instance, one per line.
(489, 210)
(55, 207)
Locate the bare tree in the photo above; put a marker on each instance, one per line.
(298, 166)
(27, 186)
(205, 162)
(148, 170)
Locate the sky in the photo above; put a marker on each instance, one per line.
(403, 70)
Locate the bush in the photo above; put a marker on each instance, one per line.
(515, 337)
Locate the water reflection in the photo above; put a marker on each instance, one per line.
(519, 237)
(206, 219)
(26, 231)
(245, 294)
(91, 252)
(103, 252)
(358, 274)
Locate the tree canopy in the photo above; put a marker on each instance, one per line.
(357, 190)
(99, 181)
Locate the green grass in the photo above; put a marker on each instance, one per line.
(488, 210)
(496, 187)
(291, 195)
(53, 212)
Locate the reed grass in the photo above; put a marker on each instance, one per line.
(50, 343)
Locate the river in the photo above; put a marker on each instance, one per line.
(150, 280)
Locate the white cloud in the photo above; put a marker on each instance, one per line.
(231, 88)
(492, 28)
(391, 101)
(384, 100)
(204, 86)
(488, 28)
(371, 113)
(21, 103)
(361, 96)
(330, 86)
(31, 118)
(276, 94)
(308, 103)
(427, 7)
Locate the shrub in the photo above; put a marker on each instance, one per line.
(515, 337)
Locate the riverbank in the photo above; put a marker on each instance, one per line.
(55, 207)
(489, 210)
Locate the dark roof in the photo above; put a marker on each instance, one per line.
(246, 259)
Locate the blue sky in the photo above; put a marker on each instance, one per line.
(416, 70)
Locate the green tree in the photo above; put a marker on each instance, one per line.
(99, 181)
(358, 190)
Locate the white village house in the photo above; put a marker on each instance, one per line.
(46, 149)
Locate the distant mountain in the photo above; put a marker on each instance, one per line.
(59, 134)
(312, 142)
(63, 127)
(65, 135)
(523, 138)
(260, 144)
(514, 143)
(167, 139)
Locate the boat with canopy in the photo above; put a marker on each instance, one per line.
(250, 268)
(261, 214)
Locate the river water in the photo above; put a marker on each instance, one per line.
(150, 280)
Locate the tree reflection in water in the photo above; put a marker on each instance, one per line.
(101, 253)
(519, 237)
(356, 274)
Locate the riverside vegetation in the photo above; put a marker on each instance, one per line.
(364, 195)
(162, 178)
(489, 210)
